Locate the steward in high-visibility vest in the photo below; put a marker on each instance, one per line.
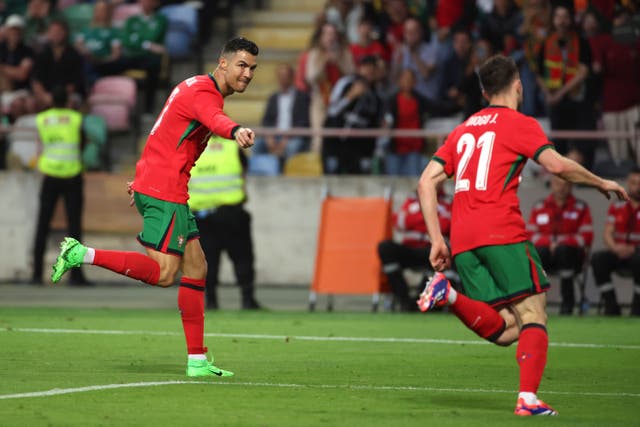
(60, 131)
(60, 162)
(217, 179)
(216, 197)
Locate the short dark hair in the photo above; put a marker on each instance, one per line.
(59, 96)
(497, 73)
(240, 43)
(368, 60)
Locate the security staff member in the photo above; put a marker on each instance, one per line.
(216, 197)
(61, 137)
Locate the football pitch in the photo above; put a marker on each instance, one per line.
(125, 367)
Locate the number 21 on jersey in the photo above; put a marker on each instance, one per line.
(467, 145)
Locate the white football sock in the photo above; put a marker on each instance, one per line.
(453, 295)
(197, 357)
(529, 398)
(89, 256)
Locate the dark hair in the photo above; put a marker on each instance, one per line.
(59, 96)
(497, 73)
(61, 22)
(240, 43)
(368, 60)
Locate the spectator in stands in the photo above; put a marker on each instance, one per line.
(622, 253)
(453, 14)
(421, 57)
(457, 66)
(366, 45)
(406, 109)
(58, 64)
(345, 15)
(533, 31)
(617, 60)
(500, 27)
(40, 14)
(354, 104)
(469, 90)
(560, 227)
(16, 65)
(99, 44)
(12, 7)
(327, 61)
(413, 248)
(60, 162)
(563, 65)
(143, 48)
(395, 13)
(286, 108)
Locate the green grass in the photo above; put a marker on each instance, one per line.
(329, 383)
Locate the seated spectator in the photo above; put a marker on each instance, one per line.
(617, 61)
(327, 61)
(40, 14)
(563, 67)
(286, 108)
(143, 48)
(560, 228)
(500, 27)
(16, 65)
(457, 66)
(99, 44)
(366, 45)
(354, 104)
(622, 253)
(414, 246)
(406, 109)
(58, 64)
(421, 57)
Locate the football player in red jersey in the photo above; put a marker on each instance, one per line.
(193, 111)
(500, 270)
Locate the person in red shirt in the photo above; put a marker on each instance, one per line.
(413, 247)
(500, 270)
(622, 239)
(367, 45)
(560, 228)
(193, 111)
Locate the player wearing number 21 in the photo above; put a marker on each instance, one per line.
(501, 272)
(193, 111)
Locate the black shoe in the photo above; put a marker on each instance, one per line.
(212, 305)
(612, 310)
(250, 304)
(566, 310)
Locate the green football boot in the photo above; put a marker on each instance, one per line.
(204, 368)
(71, 255)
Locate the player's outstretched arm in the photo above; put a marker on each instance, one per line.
(432, 176)
(574, 172)
(245, 137)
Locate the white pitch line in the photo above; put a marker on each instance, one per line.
(59, 391)
(307, 338)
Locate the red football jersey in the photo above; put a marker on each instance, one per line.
(486, 153)
(409, 222)
(192, 112)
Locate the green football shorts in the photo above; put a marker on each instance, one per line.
(501, 274)
(167, 226)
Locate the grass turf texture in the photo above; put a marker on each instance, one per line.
(286, 381)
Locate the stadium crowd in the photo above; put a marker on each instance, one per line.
(399, 64)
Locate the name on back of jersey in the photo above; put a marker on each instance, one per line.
(482, 120)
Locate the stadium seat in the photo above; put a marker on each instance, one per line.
(123, 11)
(182, 30)
(303, 164)
(264, 164)
(23, 141)
(95, 130)
(114, 98)
(78, 16)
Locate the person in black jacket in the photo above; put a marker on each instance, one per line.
(286, 108)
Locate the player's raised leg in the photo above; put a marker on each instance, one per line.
(191, 305)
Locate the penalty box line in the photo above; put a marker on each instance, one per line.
(62, 391)
(309, 338)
